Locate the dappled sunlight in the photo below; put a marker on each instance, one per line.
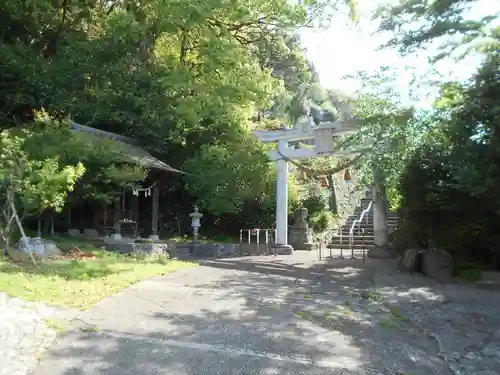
(412, 294)
(279, 318)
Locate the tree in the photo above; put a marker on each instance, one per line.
(449, 182)
(179, 77)
(420, 23)
(30, 185)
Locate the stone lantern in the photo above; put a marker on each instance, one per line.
(323, 138)
(195, 216)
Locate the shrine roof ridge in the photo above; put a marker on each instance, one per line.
(128, 146)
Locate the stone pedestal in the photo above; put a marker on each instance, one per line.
(116, 237)
(280, 249)
(300, 237)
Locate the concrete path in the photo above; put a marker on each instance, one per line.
(267, 315)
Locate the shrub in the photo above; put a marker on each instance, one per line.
(322, 221)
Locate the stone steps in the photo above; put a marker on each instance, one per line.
(363, 234)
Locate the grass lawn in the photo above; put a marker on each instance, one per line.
(80, 283)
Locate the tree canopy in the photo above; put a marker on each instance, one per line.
(191, 80)
(185, 79)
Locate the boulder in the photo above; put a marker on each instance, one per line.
(38, 246)
(411, 260)
(438, 264)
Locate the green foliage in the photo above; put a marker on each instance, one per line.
(457, 202)
(180, 77)
(224, 176)
(82, 282)
(419, 23)
(38, 183)
(315, 199)
(107, 164)
(322, 221)
(391, 133)
(446, 176)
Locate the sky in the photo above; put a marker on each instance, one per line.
(343, 49)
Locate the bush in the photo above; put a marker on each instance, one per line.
(322, 221)
(315, 199)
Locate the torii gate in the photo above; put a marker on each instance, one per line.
(323, 146)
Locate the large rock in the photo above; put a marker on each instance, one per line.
(411, 260)
(38, 246)
(438, 264)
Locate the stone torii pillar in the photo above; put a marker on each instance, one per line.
(323, 146)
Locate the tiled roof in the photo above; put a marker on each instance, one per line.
(132, 152)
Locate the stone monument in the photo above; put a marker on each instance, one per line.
(300, 237)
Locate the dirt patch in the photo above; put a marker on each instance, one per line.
(75, 254)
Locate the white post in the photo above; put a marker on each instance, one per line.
(282, 199)
(282, 196)
(380, 225)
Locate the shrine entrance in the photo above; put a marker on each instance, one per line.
(323, 136)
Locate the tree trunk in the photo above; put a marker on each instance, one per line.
(333, 196)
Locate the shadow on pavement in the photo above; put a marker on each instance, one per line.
(261, 316)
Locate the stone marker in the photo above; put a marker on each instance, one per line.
(39, 246)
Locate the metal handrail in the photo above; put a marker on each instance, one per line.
(358, 222)
(268, 237)
(321, 241)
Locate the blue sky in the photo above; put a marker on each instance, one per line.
(345, 49)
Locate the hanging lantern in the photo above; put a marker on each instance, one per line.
(347, 175)
(323, 181)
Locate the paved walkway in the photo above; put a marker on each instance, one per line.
(27, 329)
(284, 315)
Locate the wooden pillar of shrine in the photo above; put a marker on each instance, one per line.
(154, 213)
